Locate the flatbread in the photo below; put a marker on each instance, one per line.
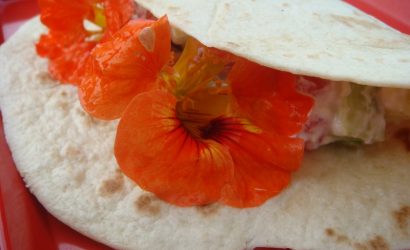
(323, 38)
(342, 198)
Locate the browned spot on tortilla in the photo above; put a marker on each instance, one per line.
(329, 232)
(377, 243)
(403, 135)
(227, 6)
(342, 238)
(44, 77)
(313, 56)
(402, 217)
(360, 246)
(63, 105)
(338, 237)
(285, 4)
(111, 186)
(148, 204)
(288, 55)
(404, 60)
(79, 177)
(208, 210)
(359, 59)
(352, 22)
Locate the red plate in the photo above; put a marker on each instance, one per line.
(24, 223)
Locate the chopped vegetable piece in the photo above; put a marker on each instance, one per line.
(360, 115)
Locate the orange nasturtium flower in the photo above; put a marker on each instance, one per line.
(75, 27)
(211, 128)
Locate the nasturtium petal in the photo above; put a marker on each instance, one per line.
(117, 13)
(125, 65)
(68, 68)
(254, 182)
(65, 15)
(268, 97)
(156, 151)
(264, 146)
(262, 161)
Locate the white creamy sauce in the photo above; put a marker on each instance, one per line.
(319, 124)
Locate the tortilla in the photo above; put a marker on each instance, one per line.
(322, 38)
(342, 198)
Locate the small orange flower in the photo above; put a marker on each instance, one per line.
(123, 66)
(200, 138)
(69, 42)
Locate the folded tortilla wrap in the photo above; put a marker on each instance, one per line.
(341, 198)
(327, 39)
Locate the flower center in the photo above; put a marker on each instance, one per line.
(200, 114)
(197, 81)
(213, 129)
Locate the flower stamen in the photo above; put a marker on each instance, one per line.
(195, 69)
